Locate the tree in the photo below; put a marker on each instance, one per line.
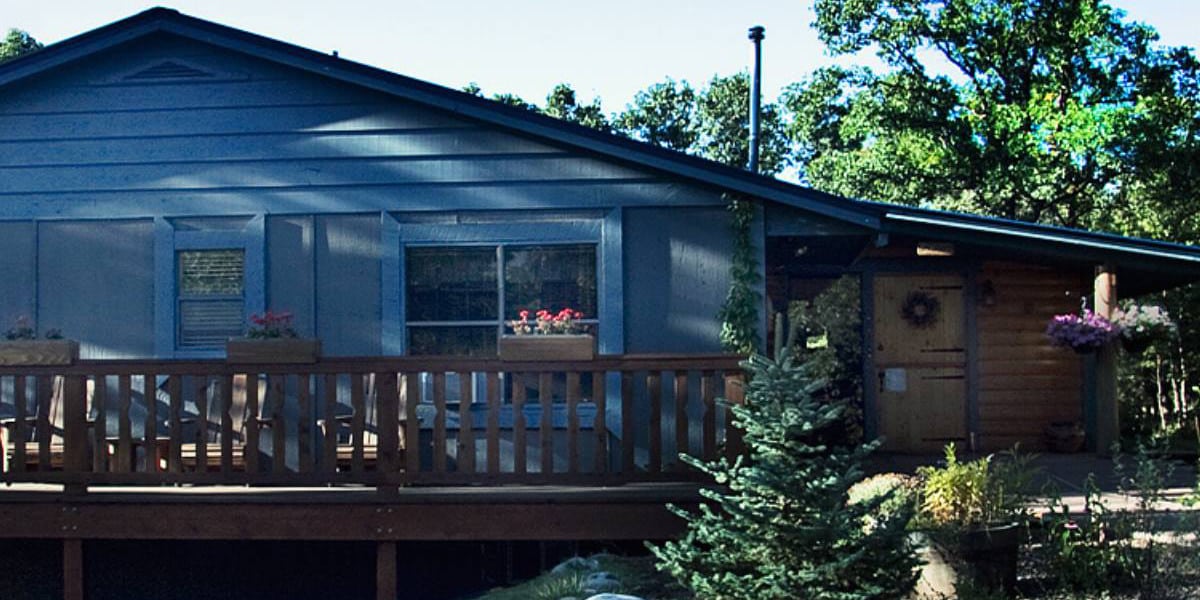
(561, 103)
(16, 43)
(663, 114)
(1043, 109)
(713, 123)
(785, 528)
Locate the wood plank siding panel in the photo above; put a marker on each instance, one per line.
(249, 125)
(1025, 383)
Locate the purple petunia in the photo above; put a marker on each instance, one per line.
(1081, 333)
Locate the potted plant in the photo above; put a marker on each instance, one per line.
(976, 511)
(271, 338)
(1064, 436)
(1142, 325)
(1084, 333)
(21, 346)
(548, 336)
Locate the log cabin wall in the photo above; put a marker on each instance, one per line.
(1024, 382)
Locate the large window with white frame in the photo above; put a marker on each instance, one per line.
(459, 298)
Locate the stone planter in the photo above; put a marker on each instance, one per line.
(547, 347)
(272, 350)
(39, 352)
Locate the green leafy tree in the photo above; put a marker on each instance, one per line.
(785, 528)
(16, 43)
(1042, 110)
(663, 114)
(561, 103)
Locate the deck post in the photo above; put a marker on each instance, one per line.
(385, 571)
(75, 437)
(1108, 428)
(72, 569)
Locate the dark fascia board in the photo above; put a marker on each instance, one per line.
(671, 163)
(1023, 235)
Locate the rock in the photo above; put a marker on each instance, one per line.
(612, 597)
(575, 564)
(601, 581)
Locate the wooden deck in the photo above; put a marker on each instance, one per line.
(379, 450)
(360, 448)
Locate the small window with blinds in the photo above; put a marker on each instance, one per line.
(211, 303)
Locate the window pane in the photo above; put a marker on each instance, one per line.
(208, 323)
(550, 277)
(455, 341)
(452, 284)
(211, 272)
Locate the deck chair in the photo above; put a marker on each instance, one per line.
(31, 432)
(211, 426)
(342, 425)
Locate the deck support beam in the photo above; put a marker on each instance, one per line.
(1108, 427)
(385, 571)
(73, 569)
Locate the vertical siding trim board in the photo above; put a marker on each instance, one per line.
(164, 288)
(391, 300)
(255, 240)
(612, 284)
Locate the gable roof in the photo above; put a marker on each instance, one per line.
(1155, 264)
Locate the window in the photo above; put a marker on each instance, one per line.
(211, 297)
(459, 297)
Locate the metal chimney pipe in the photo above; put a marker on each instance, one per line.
(756, 36)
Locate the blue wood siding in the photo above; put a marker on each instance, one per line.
(17, 285)
(348, 263)
(676, 277)
(291, 273)
(96, 283)
(97, 162)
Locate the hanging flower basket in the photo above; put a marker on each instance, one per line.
(1083, 333)
(1142, 325)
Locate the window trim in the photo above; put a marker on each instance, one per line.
(604, 232)
(501, 287)
(168, 241)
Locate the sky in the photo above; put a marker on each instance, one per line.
(608, 49)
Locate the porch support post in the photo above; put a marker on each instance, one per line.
(385, 571)
(72, 569)
(1108, 429)
(75, 434)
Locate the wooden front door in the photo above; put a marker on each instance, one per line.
(920, 362)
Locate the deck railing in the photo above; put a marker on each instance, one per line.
(383, 422)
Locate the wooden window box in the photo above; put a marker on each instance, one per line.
(273, 350)
(39, 352)
(547, 347)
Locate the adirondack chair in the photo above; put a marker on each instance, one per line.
(190, 451)
(32, 432)
(342, 425)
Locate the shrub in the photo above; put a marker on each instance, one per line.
(782, 527)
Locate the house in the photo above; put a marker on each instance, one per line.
(166, 177)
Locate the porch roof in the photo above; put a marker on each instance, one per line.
(1146, 265)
